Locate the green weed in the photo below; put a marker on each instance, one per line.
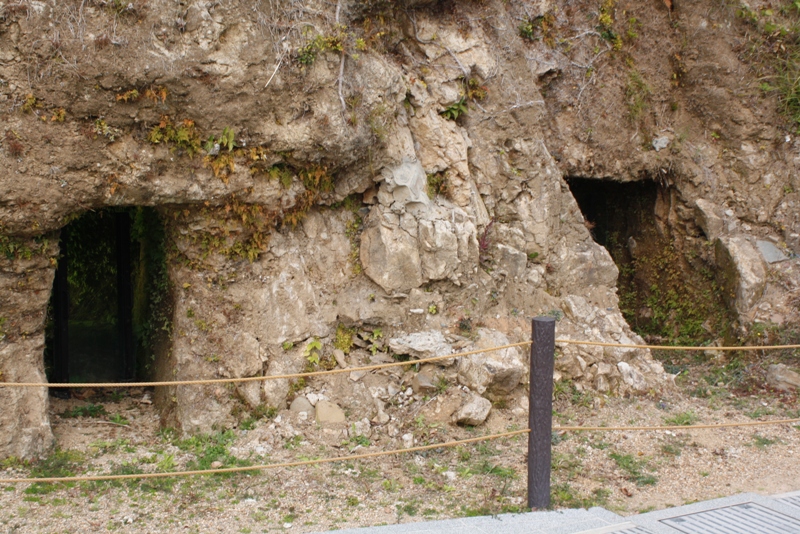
(88, 410)
(455, 110)
(682, 419)
(634, 468)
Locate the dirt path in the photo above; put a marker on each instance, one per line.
(625, 471)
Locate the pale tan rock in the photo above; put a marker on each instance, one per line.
(496, 372)
(780, 376)
(474, 411)
(329, 412)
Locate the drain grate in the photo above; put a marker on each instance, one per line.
(624, 528)
(793, 499)
(748, 518)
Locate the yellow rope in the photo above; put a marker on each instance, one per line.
(265, 466)
(377, 366)
(673, 427)
(671, 347)
(259, 378)
(90, 478)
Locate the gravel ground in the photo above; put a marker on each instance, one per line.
(625, 471)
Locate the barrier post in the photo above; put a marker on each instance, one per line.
(540, 415)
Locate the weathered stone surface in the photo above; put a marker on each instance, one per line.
(422, 345)
(404, 184)
(328, 412)
(632, 377)
(276, 391)
(299, 278)
(571, 365)
(770, 252)
(660, 143)
(390, 254)
(495, 372)
(780, 376)
(338, 355)
(25, 286)
(707, 218)
(423, 383)
(511, 261)
(741, 272)
(438, 240)
(474, 411)
(301, 404)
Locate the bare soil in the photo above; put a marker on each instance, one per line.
(625, 471)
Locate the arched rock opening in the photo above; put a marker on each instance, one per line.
(668, 290)
(109, 302)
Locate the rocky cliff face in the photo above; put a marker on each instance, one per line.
(390, 171)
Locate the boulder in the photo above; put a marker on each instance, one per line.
(390, 254)
(474, 411)
(423, 383)
(780, 377)
(301, 404)
(422, 345)
(741, 271)
(632, 377)
(570, 364)
(328, 412)
(514, 262)
(707, 218)
(497, 372)
(439, 248)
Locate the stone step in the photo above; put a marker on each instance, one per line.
(747, 513)
(570, 521)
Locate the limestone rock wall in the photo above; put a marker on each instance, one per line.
(27, 267)
(399, 171)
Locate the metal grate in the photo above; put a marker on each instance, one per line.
(793, 499)
(624, 528)
(748, 518)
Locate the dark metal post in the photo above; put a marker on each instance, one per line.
(540, 416)
(125, 294)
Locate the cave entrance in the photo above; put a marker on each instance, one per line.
(109, 286)
(667, 289)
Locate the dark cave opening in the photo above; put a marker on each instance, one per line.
(108, 297)
(667, 291)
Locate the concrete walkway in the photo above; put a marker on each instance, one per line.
(746, 513)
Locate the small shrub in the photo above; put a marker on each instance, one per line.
(344, 339)
(313, 352)
(30, 103)
(13, 145)
(455, 110)
(438, 185)
(183, 135)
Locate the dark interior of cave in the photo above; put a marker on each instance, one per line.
(615, 211)
(106, 297)
(667, 294)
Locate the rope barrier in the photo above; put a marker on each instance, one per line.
(673, 427)
(90, 478)
(259, 378)
(674, 347)
(138, 476)
(377, 366)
